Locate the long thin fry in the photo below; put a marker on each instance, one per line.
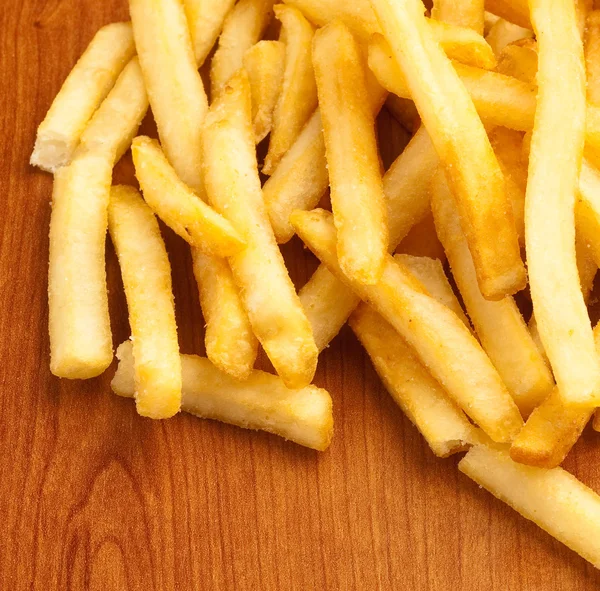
(443, 343)
(146, 276)
(298, 97)
(457, 12)
(553, 499)
(261, 402)
(444, 426)
(460, 140)
(82, 92)
(556, 148)
(233, 186)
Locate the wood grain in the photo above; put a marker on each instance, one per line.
(94, 497)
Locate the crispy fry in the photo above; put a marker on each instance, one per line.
(443, 343)
(357, 195)
(233, 187)
(499, 99)
(519, 60)
(422, 241)
(499, 325)
(457, 133)
(553, 499)
(514, 11)
(178, 206)
(175, 90)
(444, 426)
(504, 33)
(592, 57)
(80, 337)
(456, 12)
(146, 276)
(261, 402)
(298, 98)
(205, 19)
(556, 148)
(243, 28)
(82, 92)
(264, 63)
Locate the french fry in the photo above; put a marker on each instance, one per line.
(175, 89)
(178, 206)
(146, 276)
(499, 325)
(499, 99)
(422, 241)
(82, 92)
(205, 19)
(465, 14)
(79, 324)
(553, 499)
(443, 343)
(357, 196)
(514, 11)
(230, 343)
(264, 63)
(444, 426)
(233, 187)
(489, 20)
(262, 402)
(504, 33)
(555, 157)
(243, 28)
(298, 97)
(462, 144)
(519, 60)
(592, 57)
(430, 272)
(587, 209)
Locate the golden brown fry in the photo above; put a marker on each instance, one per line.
(499, 325)
(80, 337)
(556, 148)
(233, 187)
(553, 499)
(230, 343)
(146, 276)
(422, 241)
(443, 343)
(178, 206)
(298, 97)
(504, 33)
(264, 63)
(357, 195)
(205, 19)
(175, 90)
(592, 57)
(444, 426)
(243, 28)
(261, 402)
(514, 11)
(519, 60)
(462, 144)
(82, 92)
(468, 14)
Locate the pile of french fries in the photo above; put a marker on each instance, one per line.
(501, 188)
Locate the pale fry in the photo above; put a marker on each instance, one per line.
(174, 87)
(458, 12)
(592, 57)
(82, 92)
(261, 402)
(80, 336)
(230, 343)
(520, 61)
(444, 426)
(243, 28)
(298, 97)
(205, 20)
(233, 187)
(178, 206)
(499, 99)
(443, 343)
(264, 63)
(555, 157)
(514, 11)
(499, 325)
(553, 499)
(504, 33)
(462, 144)
(357, 196)
(146, 276)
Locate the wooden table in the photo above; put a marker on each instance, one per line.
(94, 497)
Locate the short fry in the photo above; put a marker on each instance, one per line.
(178, 206)
(443, 343)
(82, 92)
(233, 187)
(146, 276)
(261, 402)
(465, 14)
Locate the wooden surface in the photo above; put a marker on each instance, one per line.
(94, 497)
